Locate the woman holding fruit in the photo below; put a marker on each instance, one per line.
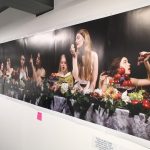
(85, 61)
(120, 70)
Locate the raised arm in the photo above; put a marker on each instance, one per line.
(144, 58)
(33, 69)
(75, 70)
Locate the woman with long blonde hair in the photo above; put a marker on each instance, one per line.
(85, 61)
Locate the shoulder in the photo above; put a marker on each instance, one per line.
(94, 54)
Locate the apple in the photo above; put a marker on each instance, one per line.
(129, 83)
(117, 76)
(121, 71)
(134, 102)
(125, 83)
(146, 104)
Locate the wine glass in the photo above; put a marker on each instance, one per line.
(83, 83)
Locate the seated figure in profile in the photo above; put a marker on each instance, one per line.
(122, 62)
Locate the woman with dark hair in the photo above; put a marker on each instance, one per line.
(8, 70)
(1, 69)
(85, 61)
(122, 62)
(39, 72)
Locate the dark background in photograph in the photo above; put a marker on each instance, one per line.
(63, 40)
(124, 34)
(66, 36)
(129, 34)
(13, 50)
(43, 43)
(1, 54)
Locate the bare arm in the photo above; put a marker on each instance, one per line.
(33, 69)
(95, 71)
(75, 70)
(140, 82)
(147, 66)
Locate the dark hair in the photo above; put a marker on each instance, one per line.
(114, 66)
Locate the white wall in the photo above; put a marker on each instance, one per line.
(15, 24)
(20, 130)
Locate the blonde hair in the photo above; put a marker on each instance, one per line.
(86, 73)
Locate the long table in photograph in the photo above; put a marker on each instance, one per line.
(120, 120)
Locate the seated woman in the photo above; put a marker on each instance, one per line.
(22, 69)
(1, 69)
(63, 74)
(123, 62)
(8, 70)
(85, 62)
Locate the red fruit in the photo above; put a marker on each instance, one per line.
(117, 76)
(134, 102)
(116, 81)
(111, 81)
(126, 76)
(121, 71)
(146, 104)
(129, 83)
(125, 83)
(119, 95)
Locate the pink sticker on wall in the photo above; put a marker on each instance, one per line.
(39, 116)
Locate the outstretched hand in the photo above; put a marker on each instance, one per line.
(143, 57)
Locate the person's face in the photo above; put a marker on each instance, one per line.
(63, 64)
(126, 65)
(38, 59)
(22, 60)
(8, 64)
(79, 40)
(2, 66)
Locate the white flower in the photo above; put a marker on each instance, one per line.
(86, 91)
(125, 97)
(64, 87)
(98, 91)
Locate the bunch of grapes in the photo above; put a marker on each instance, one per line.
(121, 79)
(138, 97)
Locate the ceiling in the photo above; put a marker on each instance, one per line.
(36, 7)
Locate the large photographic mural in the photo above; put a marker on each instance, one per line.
(82, 70)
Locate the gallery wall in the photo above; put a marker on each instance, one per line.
(27, 27)
(16, 24)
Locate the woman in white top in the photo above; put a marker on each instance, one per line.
(85, 61)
